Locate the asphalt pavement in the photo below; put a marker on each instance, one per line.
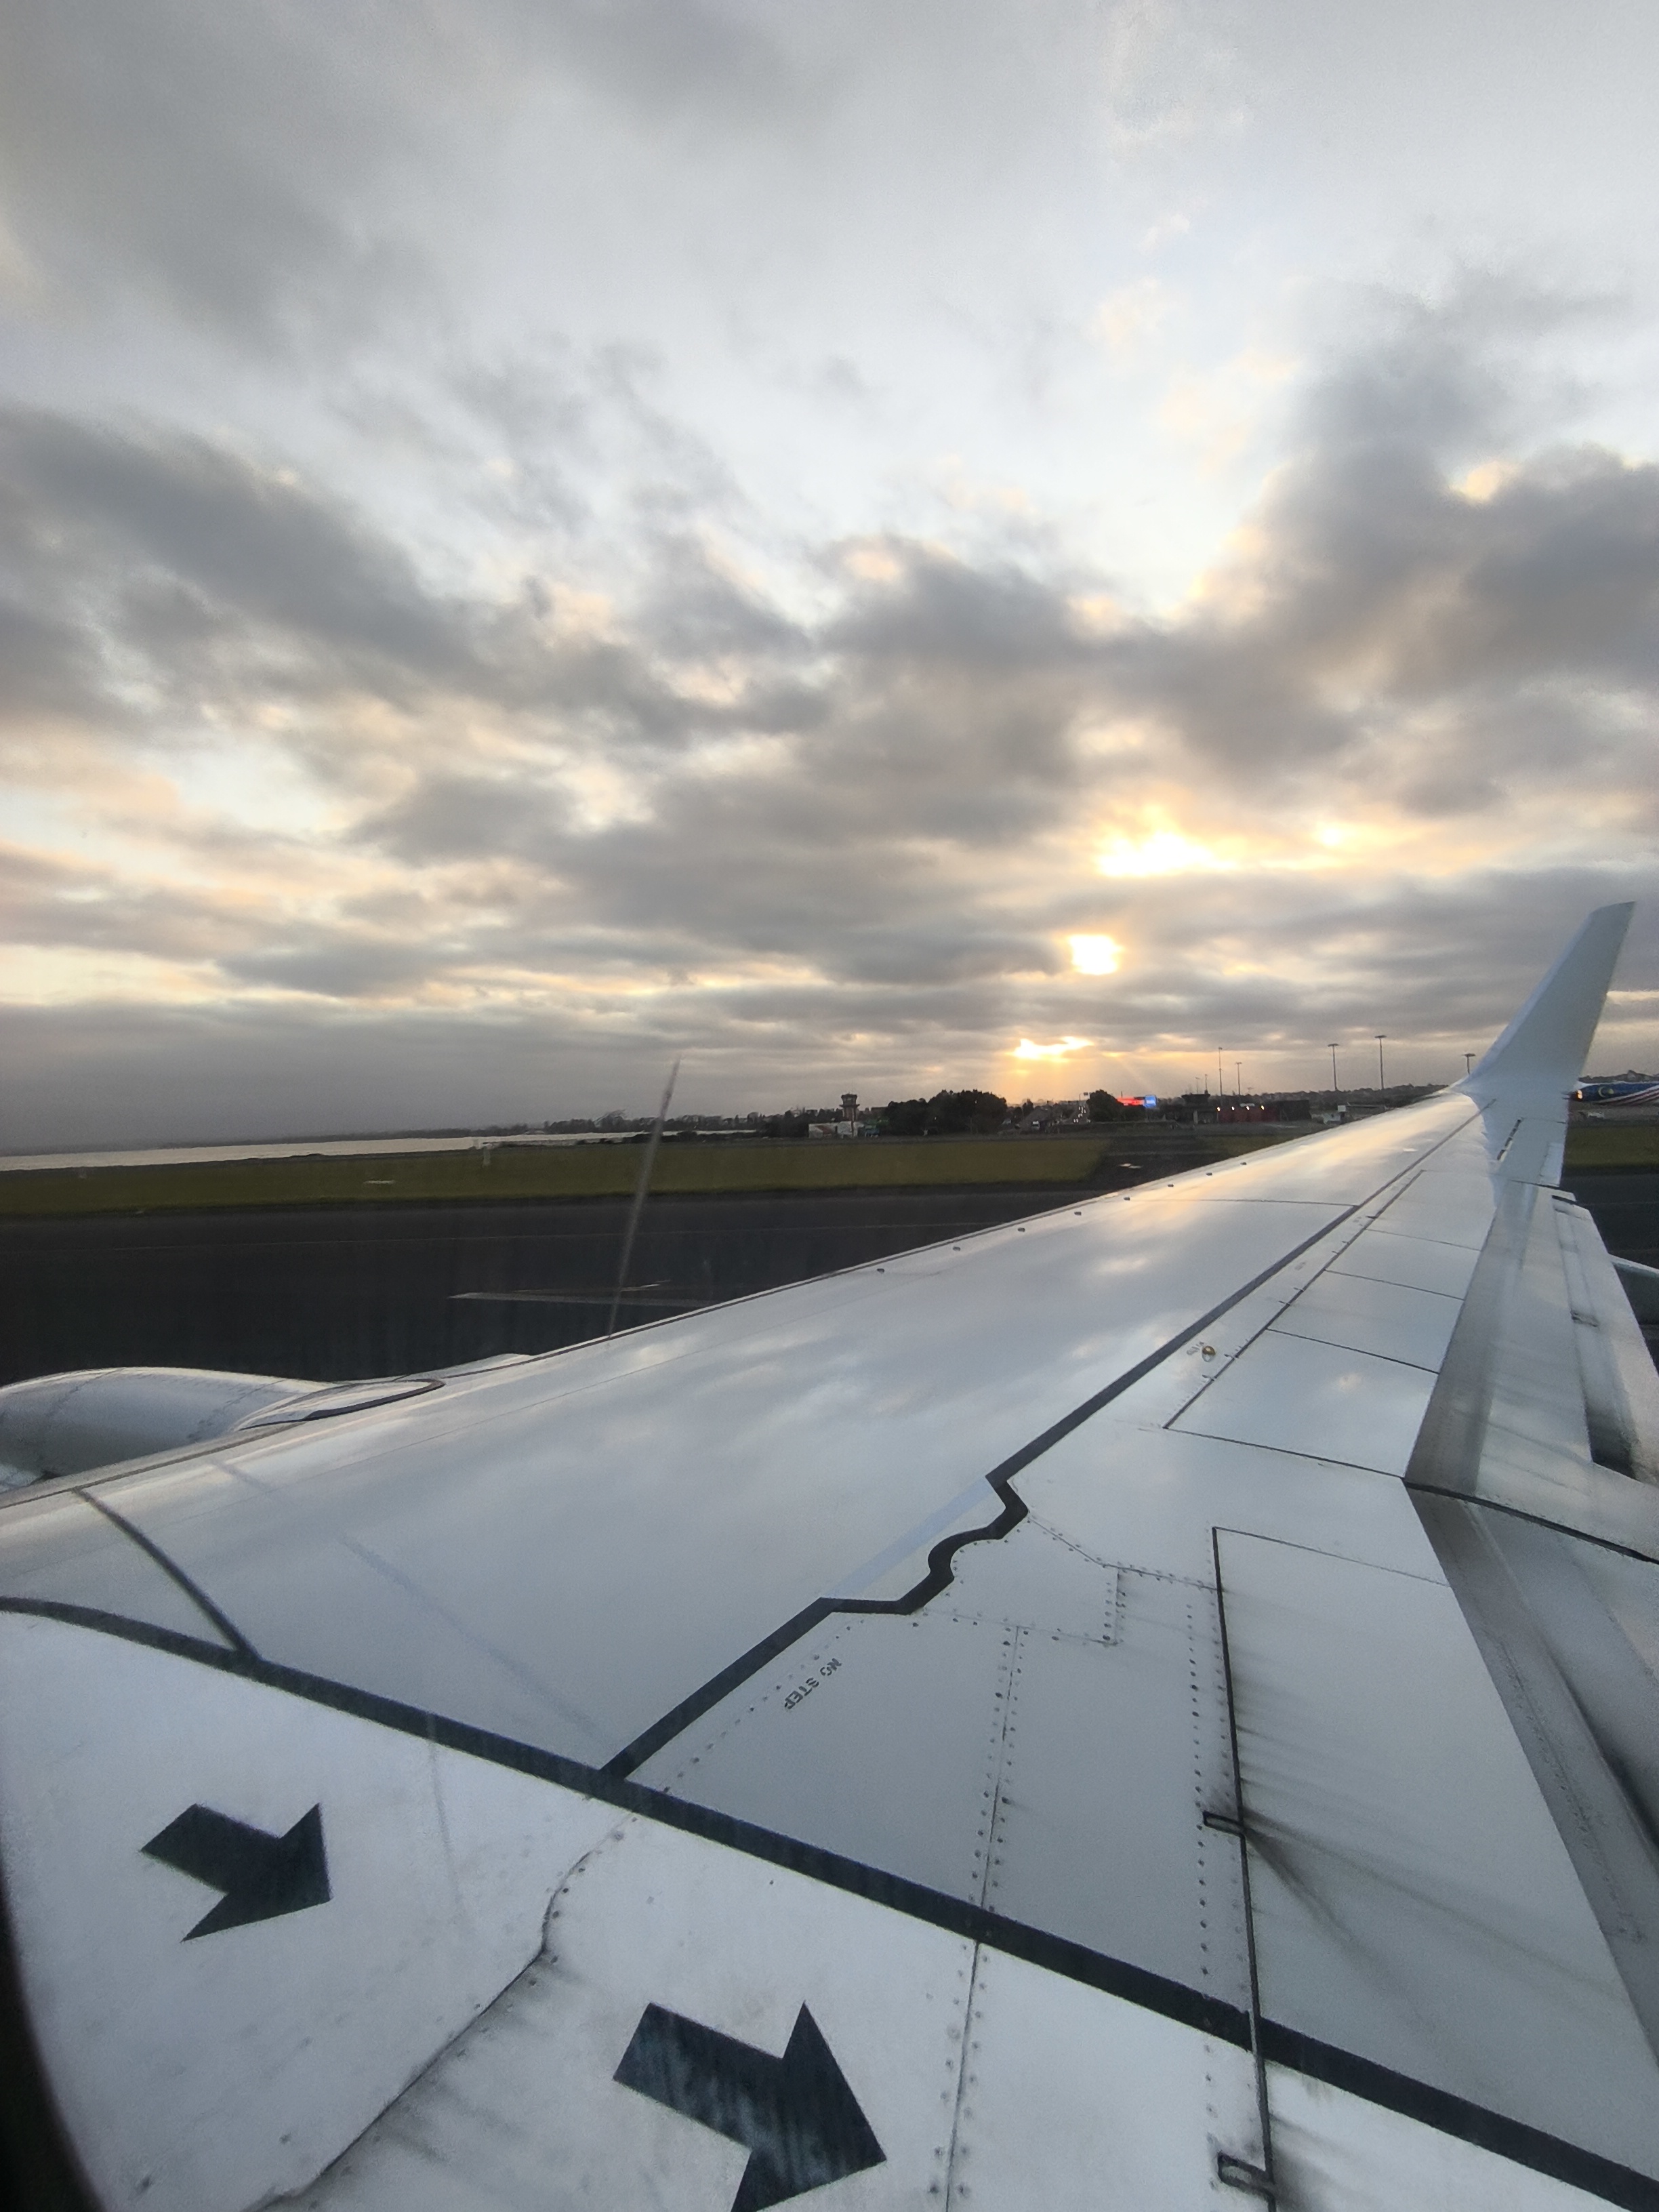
(329, 1294)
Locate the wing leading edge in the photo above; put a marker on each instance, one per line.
(1164, 1689)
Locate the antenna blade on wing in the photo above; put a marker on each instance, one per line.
(638, 1207)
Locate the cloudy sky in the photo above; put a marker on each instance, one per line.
(871, 547)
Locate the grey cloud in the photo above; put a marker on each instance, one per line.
(103, 1073)
(731, 867)
(1452, 652)
(337, 965)
(839, 378)
(57, 904)
(51, 667)
(1385, 638)
(536, 409)
(192, 556)
(1378, 560)
(451, 817)
(678, 475)
(1442, 966)
(227, 579)
(575, 439)
(200, 150)
(1427, 383)
(109, 1072)
(248, 538)
(1451, 373)
(673, 60)
(939, 611)
(1374, 588)
(264, 173)
(1565, 576)
(530, 400)
(1421, 960)
(693, 608)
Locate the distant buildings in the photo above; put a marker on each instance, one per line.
(848, 1125)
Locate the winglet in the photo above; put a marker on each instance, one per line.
(1548, 1039)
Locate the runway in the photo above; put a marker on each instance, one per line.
(329, 1294)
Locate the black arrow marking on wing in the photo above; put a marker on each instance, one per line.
(796, 2116)
(262, 1876)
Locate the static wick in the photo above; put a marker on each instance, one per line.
(646, 1166)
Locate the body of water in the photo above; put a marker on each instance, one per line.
(297, 1148)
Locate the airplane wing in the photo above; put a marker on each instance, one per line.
(1149, 1707)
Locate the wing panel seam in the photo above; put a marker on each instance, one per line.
(941, 1559)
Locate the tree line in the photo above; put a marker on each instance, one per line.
(947, 1114)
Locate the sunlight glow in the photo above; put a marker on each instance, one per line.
(1026, 1049)
(1161, 853)
(1484, 481)
(1095, 956)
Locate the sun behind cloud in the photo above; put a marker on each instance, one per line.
(1061, 1048)
(1095, 956)
(1159, 853)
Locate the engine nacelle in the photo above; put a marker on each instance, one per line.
(71, 1424)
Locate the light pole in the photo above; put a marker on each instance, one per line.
(1238, 1078)
(1381, 1034)
(1468, 1062)
(1333, 1088)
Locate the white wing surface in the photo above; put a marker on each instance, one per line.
(1154, 1706)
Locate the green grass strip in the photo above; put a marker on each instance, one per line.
(1595, 1144)
(508, 1172)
